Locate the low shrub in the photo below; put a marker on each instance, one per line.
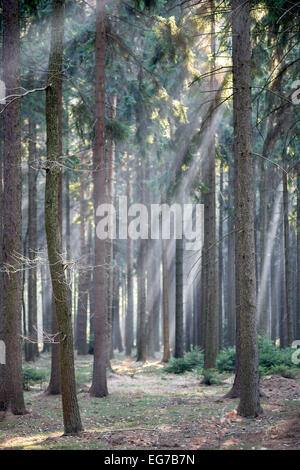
(31, 376)
(211, 377)
(176, 365)
(271, 359)
(271, 355)
(226, 360)
(190, 361)
(283, 371)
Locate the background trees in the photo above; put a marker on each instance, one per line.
(12, 392)
(99, 387)
(141, 104)
(72, 421)
(245, 260)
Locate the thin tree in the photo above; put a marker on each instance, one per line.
(12, 398)
(99, 382)
(165, 301)
(179, 337)
(71, 415)
(109, 243)
(220, 260)
(230, 285)
(288, 280)
(32, 347)
(2, 366)
(298, 254)
(129, 253)
(211, 328)
(81, 330)
(142, 244)
(249, 405)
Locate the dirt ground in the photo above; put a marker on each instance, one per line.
(150, 409)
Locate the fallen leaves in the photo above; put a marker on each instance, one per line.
(231, 417)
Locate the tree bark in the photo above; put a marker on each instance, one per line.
(81, 330)
(288, 281)
(165, 299)
(211, 347)
(99, 382)
(282, 315)
(298, 255)
(231, 284)
(116, 313)
(142, 244)
(32, 347)
(109, 243)
(72, 421)
(2, 366)
(141, 316)
(220, 271)
(129, 313)
(179, 338)
(241, 55)
(46, 303)
(12, 245)
(151, 295)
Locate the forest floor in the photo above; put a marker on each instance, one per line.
(150, 409)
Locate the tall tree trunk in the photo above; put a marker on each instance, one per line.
(157, 294)
(288, 281)
(263, 291)
(179, 338)
(12, 245)
(142, 243)
(46, 304)
(165, 299)
(32, 347)
(220, 271)
(241, 56)
(141, 316)
(109, 242)
(236, 314)
(91, 290)
(282, 315)
(151, 294)
(81, 330)
(197, 336)
(188, 317)
(129, 313)
(2, 366)
(256, 230)
(116, 313)
(204, 281)
(210, 351)
(72, 421)
(66, 180)
(274, 297)
(99, 383)
(274, 271)
(231, 284)
(54, 387)
(298, 255)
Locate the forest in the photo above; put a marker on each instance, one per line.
(149, 225)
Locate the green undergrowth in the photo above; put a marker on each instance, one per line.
(272, 361)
